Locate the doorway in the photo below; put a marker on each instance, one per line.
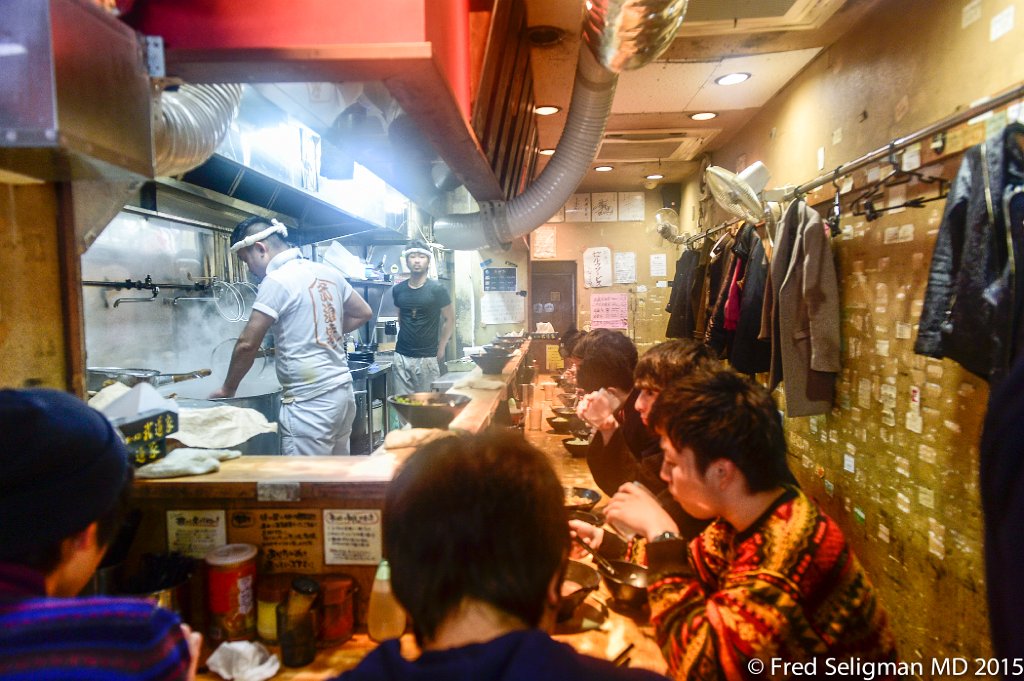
(553, 294)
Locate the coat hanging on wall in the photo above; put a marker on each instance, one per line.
(801, 313)
(973, 304)
(740, 344)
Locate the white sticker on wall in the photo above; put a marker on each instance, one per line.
(903, 502)
(970, 13)
(849, 463)
(1001, 24)
(926, 497)
(821, 158)
(936, 538)
(883, 533)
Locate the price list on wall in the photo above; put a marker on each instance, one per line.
(352, 536)
(289, 538)
(499, 278)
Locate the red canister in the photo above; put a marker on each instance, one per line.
(232, 592)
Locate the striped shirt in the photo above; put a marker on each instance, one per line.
(96, 638)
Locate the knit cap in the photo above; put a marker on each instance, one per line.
(62, 466)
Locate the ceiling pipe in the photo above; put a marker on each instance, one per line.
(618, 35)
(189, 124)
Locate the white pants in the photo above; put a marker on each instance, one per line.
(319, 426)
(413, 374)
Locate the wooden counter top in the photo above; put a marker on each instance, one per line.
(596, 630)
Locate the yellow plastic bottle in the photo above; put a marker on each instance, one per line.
(385, 618)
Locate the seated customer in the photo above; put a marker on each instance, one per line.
(63, 493)
(475, 531)
(622, 441)
(772, 577)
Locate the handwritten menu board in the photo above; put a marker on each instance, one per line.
(289, 538)
(609, 310)
(577, 208)
(604, 207)
(631, 206)
(597, 267)
(625, 267)
(499, 278)
(542, 242)
(352, 536)
(552, 360)
(502, 308)
(195, 533)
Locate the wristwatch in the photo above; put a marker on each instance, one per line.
(665, 536)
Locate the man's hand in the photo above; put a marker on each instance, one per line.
(636, 508)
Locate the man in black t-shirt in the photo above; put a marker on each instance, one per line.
(426, 320)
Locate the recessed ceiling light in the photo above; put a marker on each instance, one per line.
(603, 169)
(656, 176)
(546, 152)
(703, 116)
(732, 78)
(547, 110)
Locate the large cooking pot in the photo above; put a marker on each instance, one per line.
(259, 392)
(98, 378)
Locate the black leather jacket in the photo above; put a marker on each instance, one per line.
(972, 305)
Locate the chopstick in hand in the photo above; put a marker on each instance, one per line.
(622, 659)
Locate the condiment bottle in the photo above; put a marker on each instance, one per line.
(271, 591)
(232, 595)
(296, 623)
(385, 618)
(338, 617)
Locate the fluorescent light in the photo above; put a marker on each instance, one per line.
(546, 152)
(656, 176)
(703, 116)
(603, 169)
(547, 110)
(732, 78)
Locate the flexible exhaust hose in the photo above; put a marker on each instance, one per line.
(618, 34)
(189, 125)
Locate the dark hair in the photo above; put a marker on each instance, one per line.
(607, 360)
(45, 559)
(567, 343)
(666, 361)
(479, 517)
(723, 415)
(254, 225)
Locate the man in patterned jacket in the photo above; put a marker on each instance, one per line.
(772, 579)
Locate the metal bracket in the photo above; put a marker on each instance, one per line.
(155, 56)
(277, 491)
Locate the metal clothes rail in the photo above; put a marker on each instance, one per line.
(901, 143)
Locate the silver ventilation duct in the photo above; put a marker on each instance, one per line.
(618, 35)
(189, 124)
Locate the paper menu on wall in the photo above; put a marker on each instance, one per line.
(609, 310)
(542, 242)
(631, 206)
(502, 308)
(625, 267)
(352, 536)
(577, 208)
(597, 267)
(195, 533)
(604, 207)
(659, 265)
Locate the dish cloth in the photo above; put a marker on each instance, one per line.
(187, 461)
(243, 661)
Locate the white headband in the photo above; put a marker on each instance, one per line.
(275, 228)
(416, 249)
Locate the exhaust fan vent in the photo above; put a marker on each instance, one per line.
(652, 145)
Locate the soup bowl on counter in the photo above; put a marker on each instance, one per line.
(428, 410)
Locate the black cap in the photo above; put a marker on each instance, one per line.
(63, 466)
